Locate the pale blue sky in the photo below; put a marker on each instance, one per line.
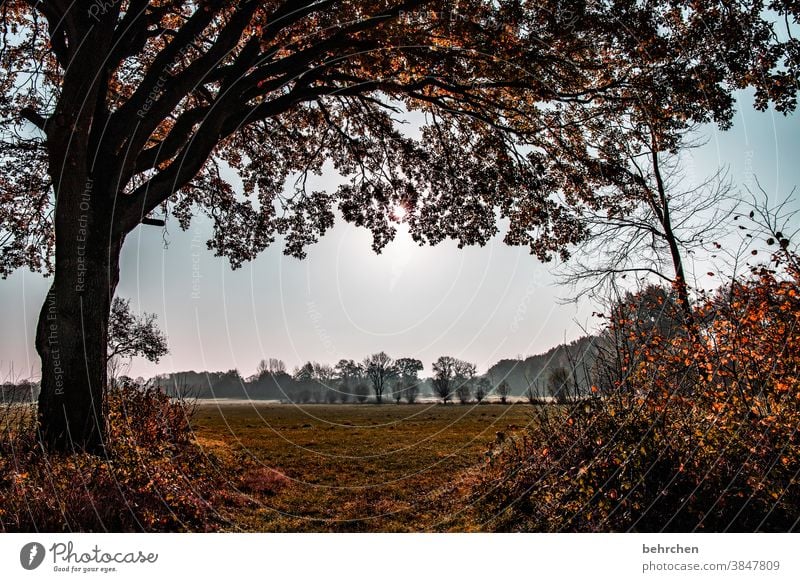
(480, 304)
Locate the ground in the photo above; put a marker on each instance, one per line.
(351, 467)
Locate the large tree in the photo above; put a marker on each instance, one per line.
(444, 371)
(408, 368)
(407, 385)
(110, 111)
(349, 375)
(379, 368)
(464, 373)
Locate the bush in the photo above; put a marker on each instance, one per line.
(264, 480)
(152, 478)
(680, 435)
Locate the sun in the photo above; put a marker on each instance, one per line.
(399, 212)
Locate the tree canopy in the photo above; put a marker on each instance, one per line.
(175, 103)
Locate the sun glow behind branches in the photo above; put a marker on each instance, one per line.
(399, 213)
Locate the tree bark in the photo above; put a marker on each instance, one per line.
(71, 337)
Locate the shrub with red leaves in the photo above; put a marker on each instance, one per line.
(153, 477)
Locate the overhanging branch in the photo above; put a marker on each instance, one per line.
(32, 116)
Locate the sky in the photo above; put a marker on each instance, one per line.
(481, 304)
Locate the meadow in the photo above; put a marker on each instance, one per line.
(351, 468)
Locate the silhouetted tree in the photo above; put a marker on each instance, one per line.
(379, 368)
(408, 367)
(503, 391)
(304, 373)
(271, 366)
(324, 376)
(463, 375)
(407, 386)
(482, 389)
(411, 392)
(131, 336)
(444, 370)
(226, 384)
(348, 374)
(361, 392)
(305, 386)
(398, 389)
(668, 223)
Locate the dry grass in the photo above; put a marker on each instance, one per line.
(351, 467)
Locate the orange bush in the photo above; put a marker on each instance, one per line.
(682, 434)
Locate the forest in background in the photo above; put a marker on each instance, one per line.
(537, 376)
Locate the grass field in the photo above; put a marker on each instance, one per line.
(351, 467)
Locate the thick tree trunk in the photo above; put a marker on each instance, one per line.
(71, 336)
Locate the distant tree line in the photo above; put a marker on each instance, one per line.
(378, 378)
(556, 376)
(562, 373)
(24, 391)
